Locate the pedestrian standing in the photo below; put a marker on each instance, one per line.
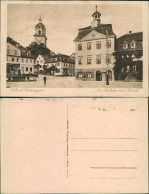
(45, 79)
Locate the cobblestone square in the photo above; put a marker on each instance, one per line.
(70, 82)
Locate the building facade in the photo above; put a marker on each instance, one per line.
(94, 46)
(40, 33)
(129, 57)
(61, 65)
(19, 61)
(40, 60)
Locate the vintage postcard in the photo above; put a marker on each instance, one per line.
(74, 48)
(96, 145)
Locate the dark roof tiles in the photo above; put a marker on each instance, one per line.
(40, 25)
(138, 36)
(102, 28)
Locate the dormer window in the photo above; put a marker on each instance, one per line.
(125, 45)
(133, 44)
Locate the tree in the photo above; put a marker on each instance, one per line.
(53, 69)
(37, 66)
(36, 49)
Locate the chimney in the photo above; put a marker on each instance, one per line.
(130, 32)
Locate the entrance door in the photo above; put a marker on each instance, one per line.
(98, 76)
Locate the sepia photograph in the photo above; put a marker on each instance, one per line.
(73, 46)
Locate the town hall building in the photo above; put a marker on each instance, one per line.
(94, 46)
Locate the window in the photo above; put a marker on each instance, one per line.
(30, 60)
(89, 74)
(39, 32)
(17, 59)
(26, 68)
(37, 62)
(40, 61)
(26, 60)
(125, 45)
(80, 74)
(15, 52)
(30, 69)
(89, 60)
(108, 43)
(22, 60)
(98, 45)
(128, 68)
(98, 60)
(108, 59)
(89, 46)
(58, 64)
(58, 71)
(79, 46)
(133, 44)
(80, 60)
(134, 68)
(13, 59)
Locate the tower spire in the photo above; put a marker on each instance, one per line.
(40, 20)
(96, 18)
(96, 7)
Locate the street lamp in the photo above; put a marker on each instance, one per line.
(107, 61)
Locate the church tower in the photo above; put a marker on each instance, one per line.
(96, 19)
(40, 33)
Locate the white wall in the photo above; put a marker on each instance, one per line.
(93, 53)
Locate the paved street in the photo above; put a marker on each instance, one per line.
(70, 82)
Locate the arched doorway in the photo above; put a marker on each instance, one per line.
(109, 72)
(98, 76)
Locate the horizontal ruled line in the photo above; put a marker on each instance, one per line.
(105, 150)
(104, 138)
(110, 167)
(113, 178)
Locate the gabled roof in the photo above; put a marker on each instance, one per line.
(138, 36)
(43, 56)
(15, 43)
(102, 28)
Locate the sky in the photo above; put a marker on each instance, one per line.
(62, 22)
